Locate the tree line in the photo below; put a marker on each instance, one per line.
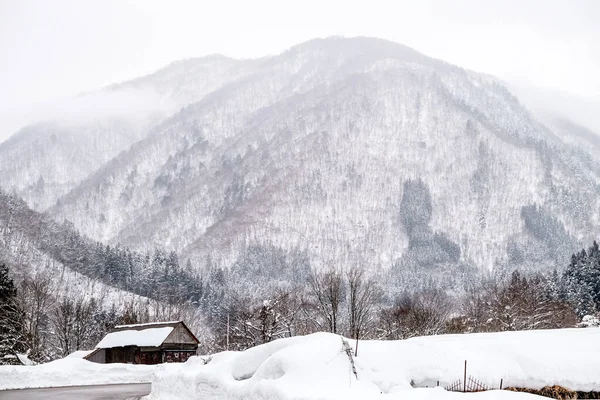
(358, 305)
(244, 306)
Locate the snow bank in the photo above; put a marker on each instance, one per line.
(314, 367)
(79, 353)
(299, 367)
(530, 359)
(25, 360)
(72, 371)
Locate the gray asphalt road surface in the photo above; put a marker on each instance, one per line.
(95, 392)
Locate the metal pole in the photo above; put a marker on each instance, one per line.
(500, 384)
(465, 377)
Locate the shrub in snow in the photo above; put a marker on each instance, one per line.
(589, 321)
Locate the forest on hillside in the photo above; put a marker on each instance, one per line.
(269, 294)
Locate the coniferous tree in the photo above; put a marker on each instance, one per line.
(582, 281)
(12, 340)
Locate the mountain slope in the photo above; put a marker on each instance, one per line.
(36, 247)
(44, 161)
(33, 243)
(317, 148)
(224, 112)
(576, 134)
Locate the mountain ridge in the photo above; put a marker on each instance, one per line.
(312, 149)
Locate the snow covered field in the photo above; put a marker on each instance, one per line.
(315, 367)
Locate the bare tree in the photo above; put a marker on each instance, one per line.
(62, 322)
(326, 288)
(363, 296)
(72, 321)
(479, 307)
(416, 314)
(253, 321)
(36, 297)
(519, 304)
(137, 311)
(281, 315)
(83, 327)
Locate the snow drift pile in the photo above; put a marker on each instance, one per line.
(316, 367)
(72, 371)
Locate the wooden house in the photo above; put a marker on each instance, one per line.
(152, 343)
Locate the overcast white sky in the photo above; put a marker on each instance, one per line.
(54, 49)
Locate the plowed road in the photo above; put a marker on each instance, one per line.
(95, 392)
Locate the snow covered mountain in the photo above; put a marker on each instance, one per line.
(44, 161)
(360, 151)
(36, 247)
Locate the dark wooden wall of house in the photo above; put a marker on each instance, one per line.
(180, 335)
(125, 355)
(148, 357)
(170, 356)
(98, 356)
(179, 346)
(134, 355)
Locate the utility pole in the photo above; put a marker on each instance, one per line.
(227, 348)
(465, 378)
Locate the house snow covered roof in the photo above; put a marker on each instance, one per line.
(147, 325)
(150, 337)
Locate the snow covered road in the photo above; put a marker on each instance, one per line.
(92, 392)
(68, 372)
